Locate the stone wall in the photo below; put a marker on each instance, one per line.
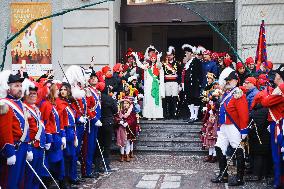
(76, 36)
(249, 15)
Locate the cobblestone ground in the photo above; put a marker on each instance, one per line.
(161, 172)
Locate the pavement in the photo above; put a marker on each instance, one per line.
(163, 172)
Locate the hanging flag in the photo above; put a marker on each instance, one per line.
(261, 54)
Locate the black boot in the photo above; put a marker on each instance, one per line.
(47, 182)
(238, 179)
(223, 175)
(174, 107)
(167, 107)
(63, 184)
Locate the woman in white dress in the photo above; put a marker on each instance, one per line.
(154, 89)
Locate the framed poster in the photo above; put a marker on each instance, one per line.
(32, 48)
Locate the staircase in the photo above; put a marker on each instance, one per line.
(169, 136)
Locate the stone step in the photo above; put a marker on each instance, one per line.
(169, 134)
(171, 149)
(169, 144)
(165, 139)
(165, 126)
(169, 122)
(169, 130)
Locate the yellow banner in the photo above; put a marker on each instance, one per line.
(32, 47)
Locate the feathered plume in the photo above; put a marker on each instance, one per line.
(171, 50)
(26, 85)
(4, 75)
(75, 74)
(200, 50)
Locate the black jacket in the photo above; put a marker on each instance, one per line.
(109, 109)
(193, 79)
(259, 114)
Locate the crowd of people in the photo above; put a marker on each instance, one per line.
(50, 128)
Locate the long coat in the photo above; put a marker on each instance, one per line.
(193, 79)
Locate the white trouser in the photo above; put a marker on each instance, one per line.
(131, 146)
(228, 134)
(126, 148)
(212, 151)
(171, 88)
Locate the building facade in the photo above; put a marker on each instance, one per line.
(105, 31)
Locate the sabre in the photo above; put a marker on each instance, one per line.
(250, 124)
(63, 71)
(36, 174)
(48, 171)
(102, 156)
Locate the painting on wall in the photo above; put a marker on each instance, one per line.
(31, 50)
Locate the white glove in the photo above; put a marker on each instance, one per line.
(11, 160)
(204, 109)
(125, 124)
(63, 139)
(82, 119)
(98, 123)
(47, 146)
(76, 141)
(277, 91)
(113, 97)
(30, 156)
(121, 122)
(135, 55)
(243, 136)
(182, 86)
(282, 149)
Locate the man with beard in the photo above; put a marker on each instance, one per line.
(14, 132)
(191, 81)
(171, 84)
(37, 134)
(233, 118)
(275, 105)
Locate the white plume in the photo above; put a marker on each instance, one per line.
(171, 50)
(4, 75)
(186, 46)
(200, 50)
(26, 85)
(77, 92)
(74, 75)
(146, 52)
(130, 79)
(225, 73)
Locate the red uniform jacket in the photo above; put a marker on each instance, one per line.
(276, 105)
(61, 108)
(237, 108)
(50, 119)
(11, 130)
(36, 126)
(91, 105)
(83, 107)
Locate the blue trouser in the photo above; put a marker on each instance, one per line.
(70, 151)
(79, 132)
(276, 155)
(12, 176)
(31, 181)
(88, 151)
(54, 160)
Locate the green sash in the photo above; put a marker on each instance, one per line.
(155, 87)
